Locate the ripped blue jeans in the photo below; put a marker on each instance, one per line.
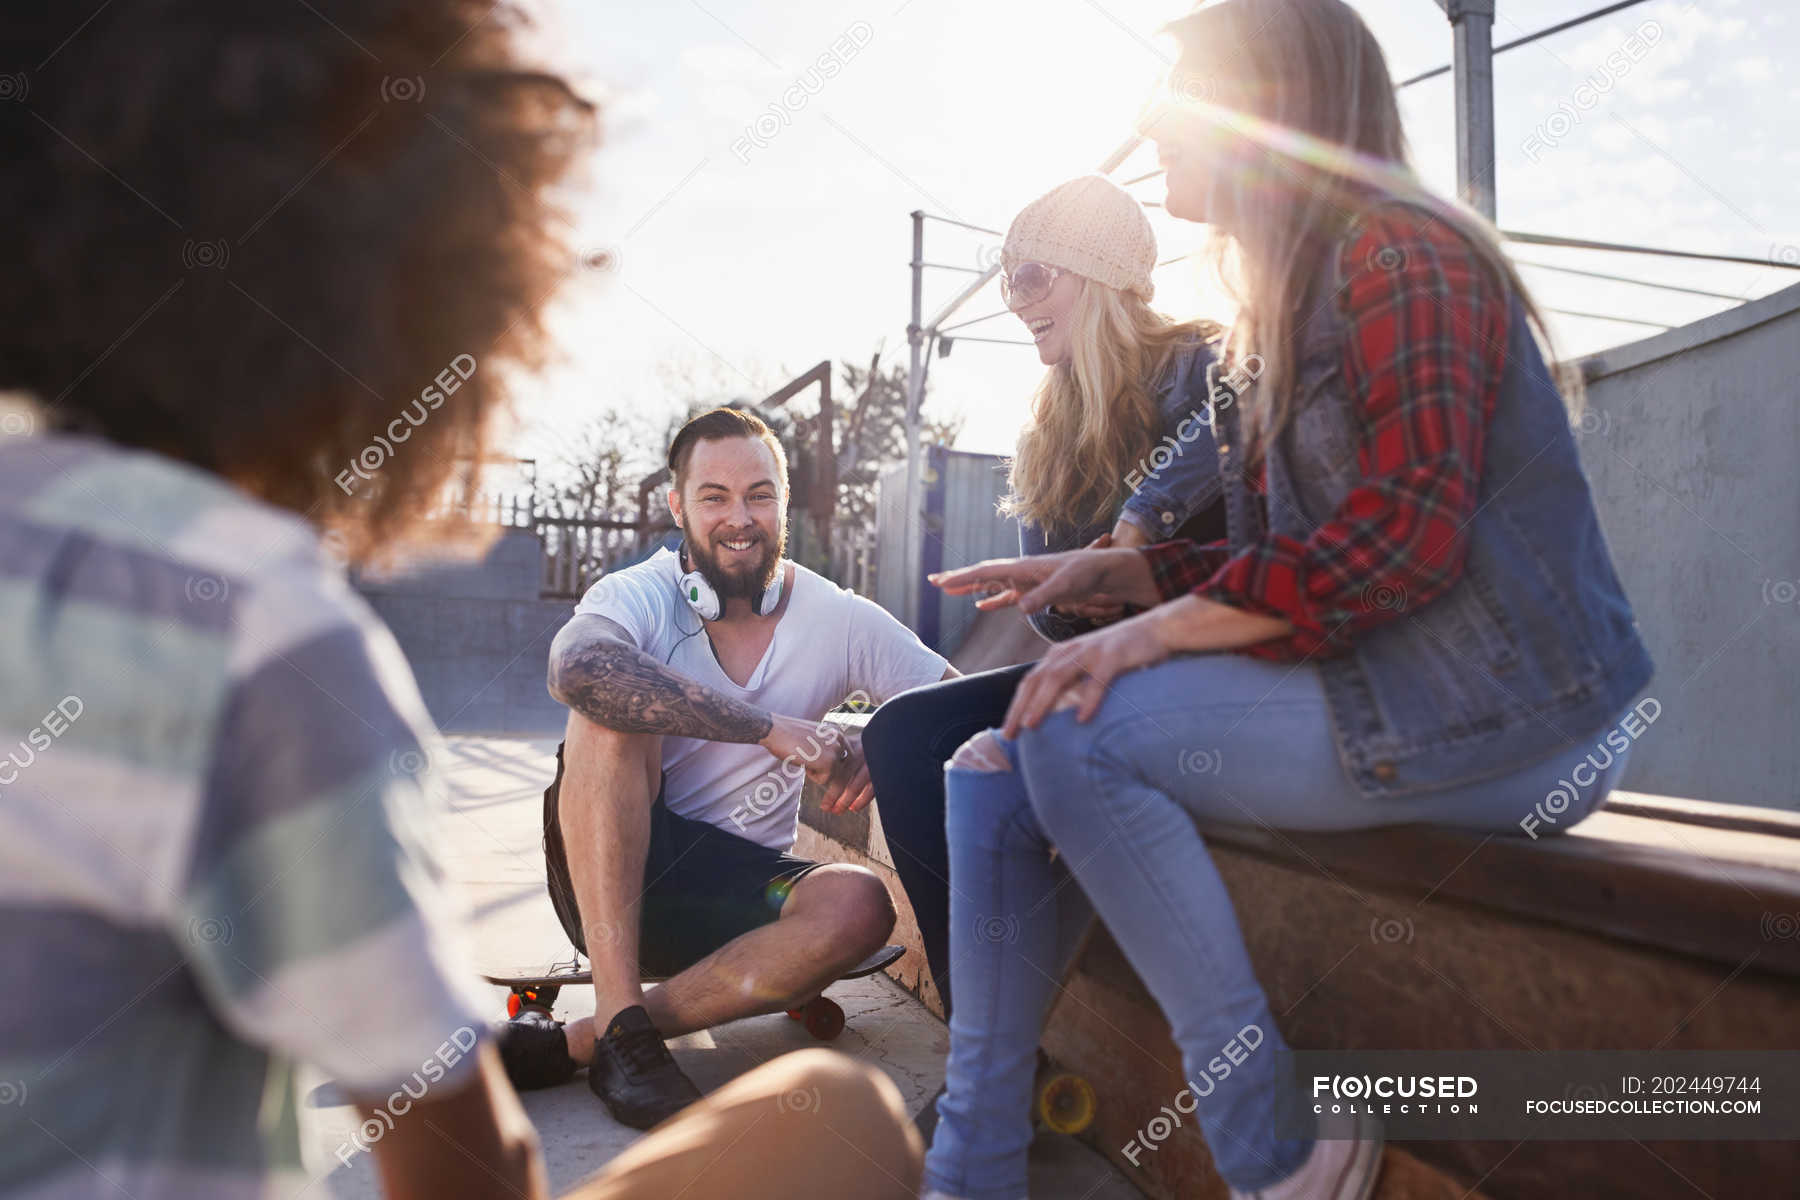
(1219, 737)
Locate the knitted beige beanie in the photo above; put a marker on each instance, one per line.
(1091, 226)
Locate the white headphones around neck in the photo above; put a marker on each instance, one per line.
(701, 597)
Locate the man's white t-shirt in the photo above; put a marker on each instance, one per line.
(828, 644)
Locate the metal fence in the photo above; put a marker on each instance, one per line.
(957, 524)
(579, 548)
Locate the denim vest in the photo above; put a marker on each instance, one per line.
(1532, 649)
(1171, 483)
(1179, 475)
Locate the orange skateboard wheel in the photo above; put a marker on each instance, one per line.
(823, 1019)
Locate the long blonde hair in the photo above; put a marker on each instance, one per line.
(1095, 415)
(1318, 114)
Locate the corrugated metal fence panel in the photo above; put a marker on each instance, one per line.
(969, 529)
(959, 526)
(894, 576)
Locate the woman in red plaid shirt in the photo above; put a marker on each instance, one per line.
(1414, 617)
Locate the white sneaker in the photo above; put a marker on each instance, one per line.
(1342, 1167)
(934, 1194)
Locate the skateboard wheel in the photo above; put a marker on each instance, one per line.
(824, 1019)
(1065, 1102)
(544, 997)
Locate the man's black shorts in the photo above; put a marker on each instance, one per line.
(703, 886)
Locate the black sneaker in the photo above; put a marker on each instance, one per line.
(533, 1050)
(634, 1073)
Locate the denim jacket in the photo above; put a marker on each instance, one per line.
(1532, 649)
(1174, 480)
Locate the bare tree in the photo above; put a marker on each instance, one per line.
(597, 472)
(871, 434)
(603, 473)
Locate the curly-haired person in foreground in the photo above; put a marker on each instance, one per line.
(266, 265)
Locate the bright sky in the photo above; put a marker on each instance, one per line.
(745, 253)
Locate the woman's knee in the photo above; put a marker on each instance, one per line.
(892, 730)
(982, 753)
(1065, 765)
(984, 797)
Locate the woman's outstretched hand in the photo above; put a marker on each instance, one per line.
(1107, 575)
(1099, 608)
(1076, 673)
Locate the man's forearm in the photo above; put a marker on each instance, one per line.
(621, 687)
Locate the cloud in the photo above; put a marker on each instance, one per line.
(1756, 70)
(726, 87)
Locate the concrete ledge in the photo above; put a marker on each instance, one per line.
(1351, 960)
(858, 838)
(1681, 339)
(1675, 876)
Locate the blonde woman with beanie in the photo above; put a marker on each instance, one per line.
(1119, 441)
(1118, 450)
(1413, 617)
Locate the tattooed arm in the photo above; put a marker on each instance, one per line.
(595, 670)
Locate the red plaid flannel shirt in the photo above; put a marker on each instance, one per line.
(1425, 346)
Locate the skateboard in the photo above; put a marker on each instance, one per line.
(542, 984)
(821, 1015)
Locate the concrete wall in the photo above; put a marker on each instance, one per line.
(1691, 441)
(477, 636)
